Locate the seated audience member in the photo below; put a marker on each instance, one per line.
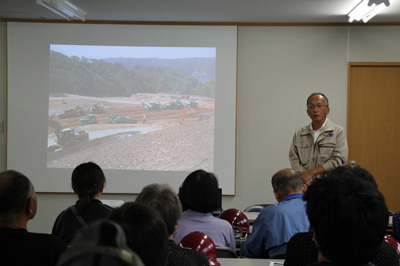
(88, 182)
(302, 250)
(349, 218)
(276, 224)
(199, 194)
(18, 204)
(145, 231)
(396, 226)
(164, 199)
(102, 243)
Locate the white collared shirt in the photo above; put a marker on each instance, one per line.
(317, 132)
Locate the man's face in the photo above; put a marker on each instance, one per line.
(317, 109)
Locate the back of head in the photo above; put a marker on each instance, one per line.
(145, 231)
(356, 172)
(200, 192)
(164, 199)
(287, 181)
(348, 214)
(102, 243)
(15, 188)
(87, 180)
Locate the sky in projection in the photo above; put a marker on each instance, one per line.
(99, 52)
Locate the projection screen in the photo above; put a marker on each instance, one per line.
(148, 103)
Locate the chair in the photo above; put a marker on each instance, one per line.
(225, 252)
(279, 255)
(256, 207)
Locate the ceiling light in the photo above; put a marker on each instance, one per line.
(63, 8)
(367, 9)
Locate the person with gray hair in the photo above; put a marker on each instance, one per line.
(18, 205)
(320, 146)
(164, 199)
(276, 224)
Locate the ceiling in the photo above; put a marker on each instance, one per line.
(217, 11)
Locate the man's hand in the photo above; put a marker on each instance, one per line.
(306, 176)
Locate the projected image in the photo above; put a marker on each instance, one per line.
(137, 108)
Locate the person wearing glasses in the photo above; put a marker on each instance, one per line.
(320, 146)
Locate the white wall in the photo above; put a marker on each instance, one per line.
(374, 44)
(278, 67)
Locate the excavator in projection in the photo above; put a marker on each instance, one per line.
(203, 116)
(76, 112)
(68, 136)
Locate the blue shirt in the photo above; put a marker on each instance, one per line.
(275, 225)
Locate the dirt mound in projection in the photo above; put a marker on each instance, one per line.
(186, 147)
(165, 142)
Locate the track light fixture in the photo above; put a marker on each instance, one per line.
(63, 8)
(367, 9)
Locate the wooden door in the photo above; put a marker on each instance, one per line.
(373, 124)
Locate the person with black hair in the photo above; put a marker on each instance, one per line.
(88, 182)
(145, 231)
(349, 218)
(18, 205)
(165, 200)
(302, 251)
(320, 146)
(276, 224)
(199, 194)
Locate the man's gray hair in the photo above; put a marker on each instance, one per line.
(15, 189)
(164, 199)
(318, 93)
(32, 193)
(285, 181)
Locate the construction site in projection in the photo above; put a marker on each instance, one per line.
(143, 132)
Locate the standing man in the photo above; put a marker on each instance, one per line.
(144, 119)
(18, 204)
(322, 145)
(276, 224)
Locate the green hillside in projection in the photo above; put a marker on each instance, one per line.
(127, 76)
